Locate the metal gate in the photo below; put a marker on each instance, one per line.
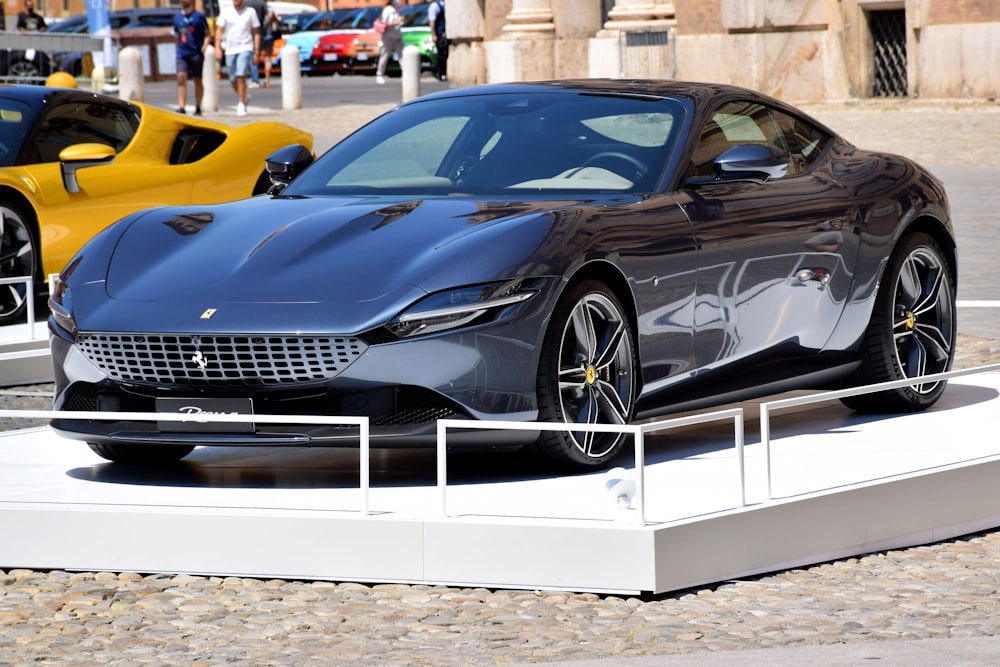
(888, 31)
(647, 54)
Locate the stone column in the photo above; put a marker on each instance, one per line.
(640, 15)
(612, 56)
(467, 27)
(525, 50)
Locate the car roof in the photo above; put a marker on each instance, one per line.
(162, 16)
(696, 93)
(38, 96)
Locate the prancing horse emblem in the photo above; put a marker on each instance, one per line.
(199, 359)
(207, 315)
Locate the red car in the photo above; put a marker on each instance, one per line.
(337, 51)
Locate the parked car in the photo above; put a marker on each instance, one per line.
(416, 32)
(307, 38)
(289, 25)
(353, 46)
(27, 66)
(584, 252)
(74, 62)
(72, 162)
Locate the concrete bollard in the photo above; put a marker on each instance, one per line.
(210, 81)
(131, 79)
(411, 72)
(291, 77)
(98, 78)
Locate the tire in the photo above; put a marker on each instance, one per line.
(586, 374)
(18, 257)
(142, 454)
(912, 329)
(23, 69)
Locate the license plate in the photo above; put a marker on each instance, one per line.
(362, 56)
(329, 56)
(197, 408)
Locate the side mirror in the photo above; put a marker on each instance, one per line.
(78, 156)
(285, 164)
(755, 162)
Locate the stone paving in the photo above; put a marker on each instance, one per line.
(939, 591)
(946, 590)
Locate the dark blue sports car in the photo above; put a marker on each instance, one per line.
(573, 251)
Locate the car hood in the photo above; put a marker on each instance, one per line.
(363, 258)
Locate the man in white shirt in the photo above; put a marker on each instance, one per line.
(237, 32)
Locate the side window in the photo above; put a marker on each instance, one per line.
(733, 124)
(82, 122)
(807, 142)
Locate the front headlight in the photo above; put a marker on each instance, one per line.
(458, 307)
(61, 307)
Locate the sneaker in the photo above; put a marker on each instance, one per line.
(197, 111)
(181, 110)
(241, 109)
(379, 79)
(253, 84)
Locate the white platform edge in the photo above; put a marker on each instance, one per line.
(505, 553)
(494, 552)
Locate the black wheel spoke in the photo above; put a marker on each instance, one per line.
(934, 340)
(909, 284)
(610, 347)
(611, 403)
(586, 338)
(931, 297)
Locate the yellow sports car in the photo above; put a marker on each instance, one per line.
(72, 162)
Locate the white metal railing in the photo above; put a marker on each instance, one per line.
(637, 431)
(767, 408)
(29, 296)
(361, 422)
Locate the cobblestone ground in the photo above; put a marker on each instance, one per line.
(944, 590)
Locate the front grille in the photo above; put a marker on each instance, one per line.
(219, 361)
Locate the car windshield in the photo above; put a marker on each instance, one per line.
(15, 121)
(509, 143)
(362, 19)
(414, 16)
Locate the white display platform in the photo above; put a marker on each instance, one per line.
(842, 484)
(24, 354)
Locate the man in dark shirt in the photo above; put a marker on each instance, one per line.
(29, 20)
(190, 28)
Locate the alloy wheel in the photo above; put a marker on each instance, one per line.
(595, 372)
(923, 317)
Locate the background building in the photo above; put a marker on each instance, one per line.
(799, 50)
(802, 50)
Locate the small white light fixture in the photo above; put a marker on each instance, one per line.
(620, 486)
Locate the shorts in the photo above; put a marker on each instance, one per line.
(239, 64)
(191, 65)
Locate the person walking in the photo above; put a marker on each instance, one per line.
(269, 33)
(29, 20)
(190, 29)
(237, 32)
(392, 38)
(436, 18)
(259, 6)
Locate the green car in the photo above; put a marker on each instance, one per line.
(417, 32)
